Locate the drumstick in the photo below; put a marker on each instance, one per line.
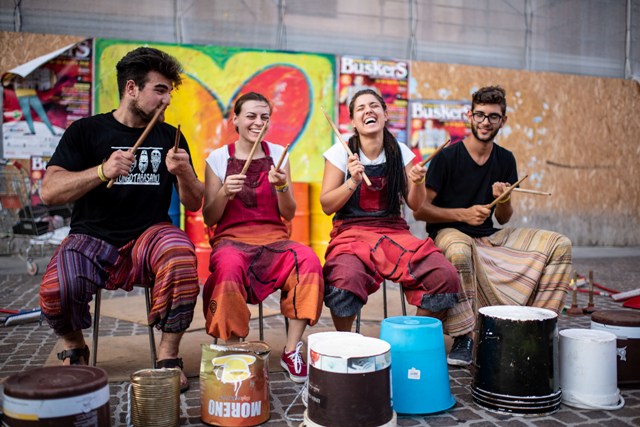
(344, 144)
(432, 155)
(144, 135)
(175, 147)
(506, 192)
(253, 149)
(284, 153)
(539, 193)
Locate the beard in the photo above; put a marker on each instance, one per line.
(136, 109)
(490, 138)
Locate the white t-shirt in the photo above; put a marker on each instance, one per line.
(338, 157)
(218, 158)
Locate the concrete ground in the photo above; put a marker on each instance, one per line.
(27, 346)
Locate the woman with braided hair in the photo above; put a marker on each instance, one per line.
(370, 240)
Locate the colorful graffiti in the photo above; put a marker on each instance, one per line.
(298, 85)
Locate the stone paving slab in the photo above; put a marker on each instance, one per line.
(26, 346)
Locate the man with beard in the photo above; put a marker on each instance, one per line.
(123, 236)
(514, 266)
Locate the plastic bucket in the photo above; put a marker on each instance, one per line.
(349, 383)
(588, 372)
(300, 223)
(234, 384)
(195, 228)
(321, 224)
(57, 396)
(174, 209)
(419, 365)
(516, 362)
(625, 325)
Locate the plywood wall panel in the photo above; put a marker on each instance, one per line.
(576, 137)
(19, 48)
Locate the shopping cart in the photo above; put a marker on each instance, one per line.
(24, 224)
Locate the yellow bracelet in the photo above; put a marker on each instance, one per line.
(282, 188)
(504, 201)
(101, 175)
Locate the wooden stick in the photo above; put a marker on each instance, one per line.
(284, 153)
(144, 135)
(344, 144)
(177, 143)
(432, 155)
(253, 149)
(539, 193)
(506, 192)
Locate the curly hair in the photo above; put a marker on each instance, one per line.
(137, 64)
(490, 95)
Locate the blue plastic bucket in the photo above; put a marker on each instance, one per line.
(420, 377)
(174, 209)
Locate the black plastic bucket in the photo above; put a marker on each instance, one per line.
(516, 361)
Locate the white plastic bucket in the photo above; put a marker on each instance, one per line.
(588, 374)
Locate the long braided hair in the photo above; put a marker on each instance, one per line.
(396, 176)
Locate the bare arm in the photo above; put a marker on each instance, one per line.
(217, 194)
(474, 215)
(286, 201)
(61, 186)
(417, 190)
(335, 191)
(190, 188)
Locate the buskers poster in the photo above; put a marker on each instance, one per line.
(434, 122)
(387, 77)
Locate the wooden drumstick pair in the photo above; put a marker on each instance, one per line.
(144, 135)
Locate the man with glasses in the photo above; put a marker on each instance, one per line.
(514, 266)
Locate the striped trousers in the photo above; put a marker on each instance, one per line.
(514, 266)
(162, 258)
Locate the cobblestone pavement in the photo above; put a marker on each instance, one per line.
(27, 346)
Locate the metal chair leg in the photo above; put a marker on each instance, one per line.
(402, 301)
(152, 339)
(96, 326)
(260, 321)
(384, 297)
(358, 321)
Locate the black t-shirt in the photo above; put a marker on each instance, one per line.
(135, 202)
(459, 182)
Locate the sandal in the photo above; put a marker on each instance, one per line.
(76, 356)
(173, 363)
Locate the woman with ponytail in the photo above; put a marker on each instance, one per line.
(370, 240)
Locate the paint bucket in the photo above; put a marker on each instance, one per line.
(349, 383)
(321, 224)
(154, 397)
(300, 224)
(588, 369)
(312, 339)
(234, 384)
(57, 396)
(196, 230)
(419, 365)
(625, 325)
(516, 361)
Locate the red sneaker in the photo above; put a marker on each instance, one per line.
(294, 364)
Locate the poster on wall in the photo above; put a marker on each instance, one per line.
(433, 122)
(387, 77)
(40, 103)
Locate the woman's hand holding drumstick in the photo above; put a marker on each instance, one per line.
(344, 144)
(506, 193)
(247, 162)
(282, 156)
(144, 135)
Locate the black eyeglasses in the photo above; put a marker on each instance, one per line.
(494, 118)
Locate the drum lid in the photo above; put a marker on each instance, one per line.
(55, 382)
(616, 317)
